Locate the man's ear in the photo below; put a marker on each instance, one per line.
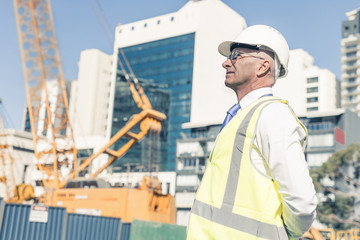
(264, 68)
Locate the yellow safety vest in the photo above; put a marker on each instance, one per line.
(234, 200)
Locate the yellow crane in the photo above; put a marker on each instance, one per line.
(49, 115)
(49, 119)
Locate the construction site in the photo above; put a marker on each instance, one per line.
(119, 152)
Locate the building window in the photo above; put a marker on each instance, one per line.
(312, 99)
(317, 159)
(312, 80)
(312, 89)
(351, 63)
(132, 28)
(310, 109)
(158, 22)
(145, 25)
(321, 140)
(172, 18)
(351, 54)
(351, 80)
(351, 98)
(320, 126)
(351, 46)
(351, 72)
(351, 89)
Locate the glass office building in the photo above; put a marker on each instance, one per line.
(169, 63)
(150, 153)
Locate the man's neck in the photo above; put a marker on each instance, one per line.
(254, 95)
(242, 91)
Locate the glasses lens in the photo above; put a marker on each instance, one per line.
(234, 55)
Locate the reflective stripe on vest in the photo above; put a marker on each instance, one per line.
(224, 215)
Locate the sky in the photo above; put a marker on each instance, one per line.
(313, 25)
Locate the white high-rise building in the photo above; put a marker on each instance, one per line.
(210, 98)
(179, 51)
(90, 94)
(307, 87)
(350, 62)
(89, 103)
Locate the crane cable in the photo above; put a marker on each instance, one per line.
(108, 33)
(142, 102)
(6, 116)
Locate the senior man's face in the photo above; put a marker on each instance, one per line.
(240, 67)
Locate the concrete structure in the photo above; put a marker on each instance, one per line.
(179, 50)
(90, 94)
(192, 155)
(328, 133)
(19, 160)
(308, 88)
(350, 63)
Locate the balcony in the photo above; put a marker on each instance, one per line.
(346, 83)
(347, 67)
(345, 75)
(345, 58)
(186, 165)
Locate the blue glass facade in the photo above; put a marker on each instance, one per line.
(168, 62)
(27, 125)
(149, 154)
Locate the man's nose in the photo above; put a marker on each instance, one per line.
(227, 63)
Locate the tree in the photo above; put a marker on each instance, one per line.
(337, 182)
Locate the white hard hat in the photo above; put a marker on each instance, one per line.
(264, 38)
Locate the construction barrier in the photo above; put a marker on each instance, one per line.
(38, 222)
(88, 227)
(156, 231)
(17, 224)
(125, 231)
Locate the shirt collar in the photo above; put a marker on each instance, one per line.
(253, 96)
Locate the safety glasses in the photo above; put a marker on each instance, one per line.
(238, 53)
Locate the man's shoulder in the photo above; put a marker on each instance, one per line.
(278, 119)
(279, 113)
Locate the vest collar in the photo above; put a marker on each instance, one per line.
(253, 96)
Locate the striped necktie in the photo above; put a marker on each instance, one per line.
(230, 114)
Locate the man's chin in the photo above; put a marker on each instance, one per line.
(229, 85)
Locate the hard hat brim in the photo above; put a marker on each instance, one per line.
(226, 47)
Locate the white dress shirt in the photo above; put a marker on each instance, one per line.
(278, 137)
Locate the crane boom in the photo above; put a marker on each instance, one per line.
(48, 112)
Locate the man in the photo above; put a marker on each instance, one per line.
(256, 184)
